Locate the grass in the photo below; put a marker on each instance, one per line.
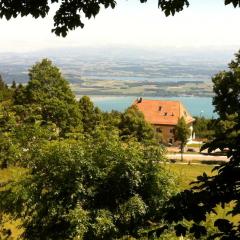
(188, 173)
(194, 145)
(5, 176)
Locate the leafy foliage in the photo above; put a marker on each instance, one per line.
(43, 110)
(182, 133)
(48, 97)
(222, 188)
(70, 13)
(93, 189)
(18, 140)
(5, 91)
(227, 89)
(91, 116)
(204, 127)
(7, 124)
(133, 124)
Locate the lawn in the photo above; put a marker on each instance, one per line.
(195, 145)
(5, 176)
(188, 173)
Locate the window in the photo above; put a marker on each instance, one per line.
(160, 108)
(170, 141)
(172, 130)
(159, 130)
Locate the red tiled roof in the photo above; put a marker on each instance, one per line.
(163, 112)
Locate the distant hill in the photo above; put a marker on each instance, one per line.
(121, 63)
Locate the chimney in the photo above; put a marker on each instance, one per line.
(139, 100)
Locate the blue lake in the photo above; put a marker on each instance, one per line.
(197, 106)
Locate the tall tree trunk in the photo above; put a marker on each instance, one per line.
(182, 149)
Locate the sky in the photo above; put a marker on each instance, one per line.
(205, 24)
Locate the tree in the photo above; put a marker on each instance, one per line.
(14, 85)
(18, 96)
(92, 189)
(133, 124)
(204, 127)
(182, 134)
(5, 92)
(227, 90)
(48, 96)
(70, 13)
(91, 116)
(7, 123)
(111, 120)
(18, 140)
(224, 187)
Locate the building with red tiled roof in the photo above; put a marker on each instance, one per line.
(164, 116)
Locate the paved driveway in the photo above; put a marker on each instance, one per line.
(197, 157)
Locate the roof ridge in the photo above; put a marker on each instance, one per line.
(161, 100)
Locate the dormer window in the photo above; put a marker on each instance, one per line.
(165, 114)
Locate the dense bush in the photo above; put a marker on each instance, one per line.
(93, 189)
